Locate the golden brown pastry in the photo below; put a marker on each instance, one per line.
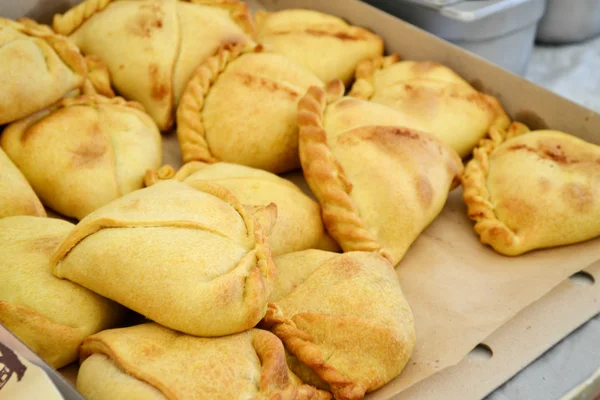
(344, 319)
(98, 78)
(188, 256)
(379, 183)
(149, 361)
(152, 47)
(441, 101)
(298, 226)
(241, 108)
(84, 152)
(16, 195)
(50, 315)
(37, 68)
(324, 44)
(531, 190)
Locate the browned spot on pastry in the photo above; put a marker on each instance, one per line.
(149, 19)
(545, 184)
(578, 196)
(424, 67)
(45, 245)
(270, 85)
(347, 267)
(340, 35)
(159, 88)
(424, 190)
(554, 153)
(91, 150)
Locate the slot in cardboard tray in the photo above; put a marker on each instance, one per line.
(520, 335)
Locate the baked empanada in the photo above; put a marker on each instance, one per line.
(379, 183)
(531, 190)
(149, 361)
(324, 44)
(152, 47)
(84, 152)
(298, 226)
(16, 195)
(37, 68)
(441, 101)
(50, 315)
(344, 318)
(188, 256)
(242, 108)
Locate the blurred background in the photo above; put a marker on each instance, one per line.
(554, 43)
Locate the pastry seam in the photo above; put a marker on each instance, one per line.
(480, 206)
(190, 127)
(327, 178)
(364, 87)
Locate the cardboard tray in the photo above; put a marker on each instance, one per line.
(542, 324)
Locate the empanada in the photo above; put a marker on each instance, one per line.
(379, 183)
(531, 190)
(50, 315)
(149, 361)
(324, 44)
(241, 108)
(441, 101)
(344, 318)
(188, 256)
(16, 195)
(37, 68)
(152, 47)
(84, 152)
(298, 226)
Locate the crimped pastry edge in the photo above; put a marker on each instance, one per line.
(326, 177)
(480, 207)
(365, 71)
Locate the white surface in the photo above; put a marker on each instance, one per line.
(573, 72)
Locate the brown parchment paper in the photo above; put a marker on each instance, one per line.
(461, 291)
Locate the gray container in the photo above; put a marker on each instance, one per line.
(502, 31)
(568, 21)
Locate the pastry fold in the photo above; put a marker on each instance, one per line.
(188, 256)
(435, 96)
(84, 152)
(528, 190)
(343, 318)
(16, 195)
(298, 226)
(50, 315)
(379, 183)
(37, 68)
(152, 47)
(322, 43)
(152, 362)
(241, 107)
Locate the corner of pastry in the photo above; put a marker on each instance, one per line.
(298, 226)
(160, 43)
(188, 256)
(434, 95)
(152, 362)
(37, 68)
(241, 106)
(16, 195)
(379, 182)
(50, 315)
(351, 340)
(322, 43)
(84, 152)
(529, 190)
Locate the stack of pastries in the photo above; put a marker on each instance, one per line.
(248, 287)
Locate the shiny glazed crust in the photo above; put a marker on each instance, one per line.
(326, 176)
(476, 196)
(190, 127)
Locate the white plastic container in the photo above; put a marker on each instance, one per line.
(569, 21)
(502, 31)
